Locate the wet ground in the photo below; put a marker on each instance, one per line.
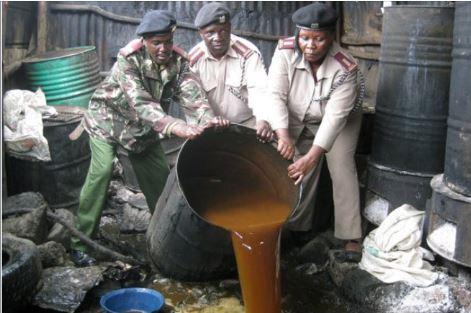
(222, 296)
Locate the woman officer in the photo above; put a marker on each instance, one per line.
(315, 94)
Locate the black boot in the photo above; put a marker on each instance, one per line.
(81, 258)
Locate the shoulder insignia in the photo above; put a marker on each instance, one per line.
(131, 47)
(195, 54)
(242, 49)
(348, 64)
(286, 43)
(180, 51)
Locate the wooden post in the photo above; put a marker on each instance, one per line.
(42, 27)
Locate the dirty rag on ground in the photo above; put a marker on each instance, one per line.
(392, 251)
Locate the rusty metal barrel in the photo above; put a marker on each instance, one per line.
(408, 145)
(59, 180)
(67, 77)
(449, 229)
(458, 142)
(180, 243)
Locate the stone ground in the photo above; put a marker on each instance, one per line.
(317, 276)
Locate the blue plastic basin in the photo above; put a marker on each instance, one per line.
(127, 300)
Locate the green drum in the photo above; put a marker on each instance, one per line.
(67, 77)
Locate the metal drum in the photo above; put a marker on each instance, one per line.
(180, 243)
(458, 142)
(412, 102)
(449, 230)
(59, 180)
(67, 77)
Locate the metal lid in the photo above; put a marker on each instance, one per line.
(64, 53)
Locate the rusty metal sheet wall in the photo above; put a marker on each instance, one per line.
(69, 28)
(361, 36)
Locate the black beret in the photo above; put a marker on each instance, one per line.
(157, 22)
(316, 16)
(214, 12)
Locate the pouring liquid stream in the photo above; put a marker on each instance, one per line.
(254, 215)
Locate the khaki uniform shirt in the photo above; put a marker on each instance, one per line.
(300, 101)
(235, 84)
(130, 106)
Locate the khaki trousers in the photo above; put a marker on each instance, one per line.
(346, 193)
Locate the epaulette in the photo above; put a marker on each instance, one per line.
(131, 47)
(347, 64)
(242, 49)
(286, 43)
(180, 51)
(195, 54)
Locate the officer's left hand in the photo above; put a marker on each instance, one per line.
(218, 122)
(300, 168)
(306, 163)
(264, 131)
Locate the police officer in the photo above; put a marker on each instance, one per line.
(231, 70)
(129, 110)
(315, 93)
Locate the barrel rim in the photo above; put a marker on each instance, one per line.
(40, 58)
(245, 130)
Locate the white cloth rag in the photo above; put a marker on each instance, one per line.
(392, 251)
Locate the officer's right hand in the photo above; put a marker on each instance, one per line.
(218, 122)
(285, 145)
(187, 131)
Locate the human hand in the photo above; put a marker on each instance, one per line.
(306, 163)
(300, 168)
(285, 144)
(264, 132)
(186, 131)
(218, 122)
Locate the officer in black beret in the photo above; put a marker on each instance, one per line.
(223, 58)
(315, 89)
(316, 16)
(130, 109)
(157, 22)
(214, 12)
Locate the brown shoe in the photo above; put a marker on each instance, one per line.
(353, 246)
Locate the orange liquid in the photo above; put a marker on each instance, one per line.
(254, 216)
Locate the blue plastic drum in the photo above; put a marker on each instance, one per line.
(132, 300)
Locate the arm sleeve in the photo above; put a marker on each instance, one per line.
(278, 90)
(193, 99)
(145, 108)
(256, 78)
(337, 110)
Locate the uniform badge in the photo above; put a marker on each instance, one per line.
(222, 19)
(315, 25)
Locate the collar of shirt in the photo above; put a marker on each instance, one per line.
(230, 52)
(322, 72)
(163, 73)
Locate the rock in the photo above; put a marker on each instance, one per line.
(33, 226)
(436, 298)
(52, 254)
(448, 295)
(315, 251)
(25, 200)
(339, 266)
(133, 220)
(138, 201)
(58, 232)
(461, 289)
(123, 195)
(64, 288)
(363, 288)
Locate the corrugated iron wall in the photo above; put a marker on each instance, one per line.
(110, 25)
